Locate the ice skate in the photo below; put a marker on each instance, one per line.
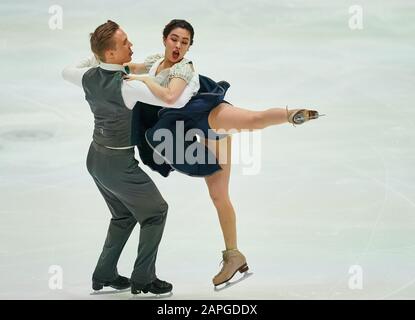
(233, 261)
(119, 283)
(299, 116)
(157, 287)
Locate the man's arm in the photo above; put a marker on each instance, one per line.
(74, 73)
(131, 91)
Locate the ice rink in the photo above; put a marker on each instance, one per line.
(330, 212)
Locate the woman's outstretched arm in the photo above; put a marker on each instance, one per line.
(170, 94)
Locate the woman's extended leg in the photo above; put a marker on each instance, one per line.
(228, 117)
(218, 185)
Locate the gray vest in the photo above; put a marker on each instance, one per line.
(112, 118)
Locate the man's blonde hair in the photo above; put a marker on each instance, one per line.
(101, 39)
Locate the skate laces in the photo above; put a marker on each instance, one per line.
(226, 257)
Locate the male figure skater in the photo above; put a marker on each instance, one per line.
(129, 192)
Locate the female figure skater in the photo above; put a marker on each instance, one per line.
(168, 75)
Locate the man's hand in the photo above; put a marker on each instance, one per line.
(131, 77)
(74, 73)
(92, 61)
(136, 68)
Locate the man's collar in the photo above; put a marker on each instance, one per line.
(111, 67)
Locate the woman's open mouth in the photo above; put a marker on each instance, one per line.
(176, 55)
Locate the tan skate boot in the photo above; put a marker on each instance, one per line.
(299, 116)
(233, 261)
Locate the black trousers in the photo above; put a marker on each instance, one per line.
(131, 197)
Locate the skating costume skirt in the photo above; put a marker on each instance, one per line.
(173, 138)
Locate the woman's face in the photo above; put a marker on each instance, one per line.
(177, 44)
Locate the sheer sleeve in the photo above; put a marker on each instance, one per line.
(183, 71)
(150, 60)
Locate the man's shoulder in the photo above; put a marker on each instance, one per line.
(91, 71)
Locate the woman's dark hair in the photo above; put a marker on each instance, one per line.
(176, 23)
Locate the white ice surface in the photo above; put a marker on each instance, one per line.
(333, 193)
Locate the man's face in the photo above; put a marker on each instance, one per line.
(122, 52)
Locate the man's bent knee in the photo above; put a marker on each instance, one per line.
(158, 214)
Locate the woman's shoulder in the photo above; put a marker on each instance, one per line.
(183, 69)
(184, 63)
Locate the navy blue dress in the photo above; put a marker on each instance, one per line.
(181, 152)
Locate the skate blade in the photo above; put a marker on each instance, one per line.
(103, 292)
(229, 283)
(151, 296)
(316, 116)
